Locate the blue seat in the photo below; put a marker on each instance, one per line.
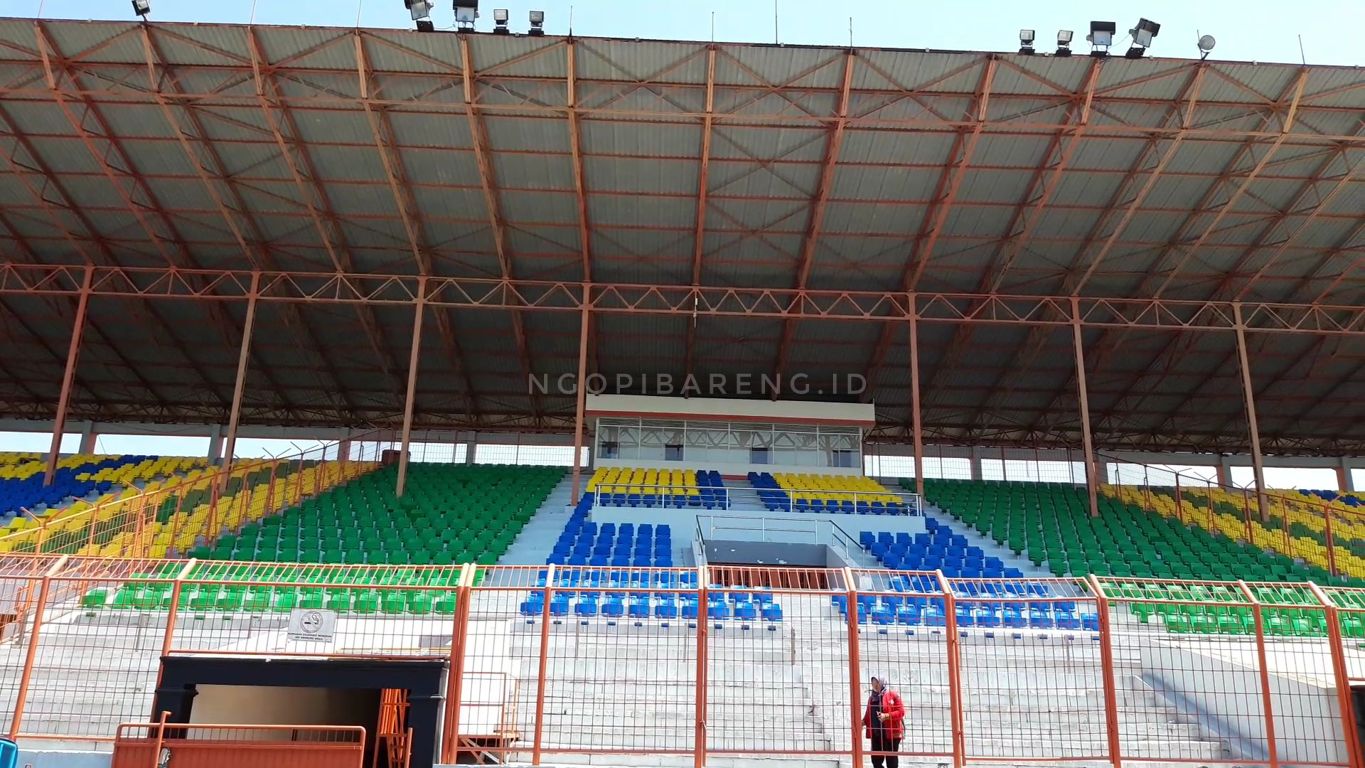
(639, 608)
(614, 607)
(585, 607)
(559, 605)
(746, 611)
(772, 612)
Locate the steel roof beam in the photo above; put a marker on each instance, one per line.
(945, 193)
(703, 195)
(220, 285)
(257, 253)
(1294, 92)
(955, 172)
(811, 241)
(50, 208)
(1286, 125)
(497, 224)
(1030, 208)
(267, 96)
(1183, 109)
(175, 255)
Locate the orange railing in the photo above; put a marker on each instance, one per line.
(170, 517)
(1329, 535)
(550, 664)
(148, 745)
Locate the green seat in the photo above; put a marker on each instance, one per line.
(95, 598)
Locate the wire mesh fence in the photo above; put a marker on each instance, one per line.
(557, 662)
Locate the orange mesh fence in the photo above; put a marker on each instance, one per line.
(171, 516)
(903, 640)
(550, 664)
(1032, 670)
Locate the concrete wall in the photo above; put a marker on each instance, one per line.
(1222, 690)
(255, 705)
(728, 409)
(735, 552)
(729, 463)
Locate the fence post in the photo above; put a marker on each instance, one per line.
(699, 706)
(1339, 670)
(213, 508)
(455, 683)
(544, 663)
(1179, 501)
(1111, 703)
(31, 654)
(855, 699)
(954, 672)
(1266, 699)
(269, 493)
(176, 590)
(1331, 543)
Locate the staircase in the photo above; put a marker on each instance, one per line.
(743, 497)
(538, 538)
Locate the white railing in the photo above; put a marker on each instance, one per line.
(780, 530)
(793, 502)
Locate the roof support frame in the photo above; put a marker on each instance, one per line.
(488, 182)
(703, 192)
(174, 253)
(1294, 92)
(811, 241)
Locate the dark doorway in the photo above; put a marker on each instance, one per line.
(389, 698)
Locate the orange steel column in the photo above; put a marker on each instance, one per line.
(32, 652)
(1111, 702)
(455, 682)
(1092, 479)
(580, 405)
(1343, 678)
(414, 355)
(855, 688)
(239, 384)
(176, 590)
(954, 672)
(1267, 704)
(548, 593)
(1249, 400)
(916, 415)
(703, 678)
(73, 353)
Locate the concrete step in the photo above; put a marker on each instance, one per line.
(535, 541)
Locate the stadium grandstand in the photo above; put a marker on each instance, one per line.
(636, 402)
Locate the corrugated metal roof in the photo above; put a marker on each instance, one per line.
(900, 164)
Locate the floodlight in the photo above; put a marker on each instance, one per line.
(466, 11)
(1101, 37)
(1026, 42)
(537, 24)
(1143, 33)
(500, 17)
(421, 9)
(142, 7)
(1064, 42)
(1206, 44)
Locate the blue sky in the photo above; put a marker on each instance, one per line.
(1251, 30)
